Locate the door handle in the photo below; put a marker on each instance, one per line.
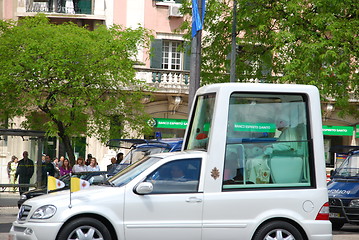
(193, 200)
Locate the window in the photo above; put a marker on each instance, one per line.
(180, 176)
(201, 122)
(168, 54)
(267, 142)
(171, 56)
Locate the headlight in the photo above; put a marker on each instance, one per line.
(23, 196)
(354, 203)
(44, 212)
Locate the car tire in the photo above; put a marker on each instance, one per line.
(277, 230)
(84, 228)
(337, 225)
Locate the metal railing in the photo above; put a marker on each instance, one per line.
(60, 6)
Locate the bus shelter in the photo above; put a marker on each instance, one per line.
(13, 142)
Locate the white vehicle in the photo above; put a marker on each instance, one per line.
(237, 177)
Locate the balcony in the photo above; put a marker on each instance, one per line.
(75, 9)
(166, 81)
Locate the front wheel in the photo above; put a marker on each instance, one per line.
(278, 230)
(84, 229)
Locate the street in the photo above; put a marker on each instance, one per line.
(8, 212)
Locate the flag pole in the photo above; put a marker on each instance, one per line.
(195, 68)
(70, 205)
(47, 182)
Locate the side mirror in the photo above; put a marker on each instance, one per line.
(144, 188)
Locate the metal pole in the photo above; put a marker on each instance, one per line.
(233, 49)
(195, 68)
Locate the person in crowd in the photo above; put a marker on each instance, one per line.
(13, 166)
(47, 168)
(61, 161)
(88, 160)
(55, 162)
(24, 171)
(8, 169)
(65, 168)
(119, 157)
(113, 165)
(79, 166)
(93, 165)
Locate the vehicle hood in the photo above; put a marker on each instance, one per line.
(343, 189)
(61, 198)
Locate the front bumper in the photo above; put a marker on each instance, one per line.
(34, 231)
(339, 211)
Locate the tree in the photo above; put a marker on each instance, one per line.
(77, 81)
(298, 41)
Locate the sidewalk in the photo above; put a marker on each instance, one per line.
(8, 215)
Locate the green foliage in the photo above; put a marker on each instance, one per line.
(78, 78)
(298, 41)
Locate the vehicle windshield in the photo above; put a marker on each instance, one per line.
(132, 171)
(138, 153)
(349, 168)
(201, 121)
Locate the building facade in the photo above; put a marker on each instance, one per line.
(167, 70)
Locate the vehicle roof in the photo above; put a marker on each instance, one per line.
(257, 87)
(192, 153)
(137, 143)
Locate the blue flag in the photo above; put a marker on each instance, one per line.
(197, 22)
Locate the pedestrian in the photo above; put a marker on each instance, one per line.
(65, 168)
(112, 166)
(55, 162)
(48, 169)
(119, 157)
(88, 160)
(24, 171)
(79, 166)
(93, 165)
(13, 165)
(62, 158)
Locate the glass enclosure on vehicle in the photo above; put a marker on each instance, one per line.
(201, 122)
(267, 141)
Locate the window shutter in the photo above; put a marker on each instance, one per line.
(187, 56)
(156, 53)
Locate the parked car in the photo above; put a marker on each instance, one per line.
(343, 190)
(139, 148)
(95, 178)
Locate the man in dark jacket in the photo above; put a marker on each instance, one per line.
(47, 169)
(25, 170)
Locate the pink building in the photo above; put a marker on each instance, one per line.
(167, 68)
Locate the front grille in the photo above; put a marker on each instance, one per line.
(23, 212)
(341, 206)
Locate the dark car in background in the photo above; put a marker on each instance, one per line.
(94, 178)
(343, 190)
(139, 148)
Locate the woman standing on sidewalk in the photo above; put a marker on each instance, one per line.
(13, 167)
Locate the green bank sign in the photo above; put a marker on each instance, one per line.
(255, 127)
(169, 123)
(338, 130)
(251, 127)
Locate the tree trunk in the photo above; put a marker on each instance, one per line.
(68, 148)
(66, 140)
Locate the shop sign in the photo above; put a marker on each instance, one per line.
(254, 127)
(170, 123)
(338, 130)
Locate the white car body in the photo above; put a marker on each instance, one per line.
(210, 209)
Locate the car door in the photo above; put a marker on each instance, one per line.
(173, 210)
